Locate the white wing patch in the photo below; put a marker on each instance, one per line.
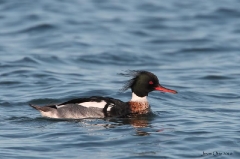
(101, 105)
(94, 104)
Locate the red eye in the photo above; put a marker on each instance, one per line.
(150, 82)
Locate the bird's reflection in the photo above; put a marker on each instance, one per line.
(139, 123)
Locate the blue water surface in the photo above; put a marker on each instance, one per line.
(53, 51)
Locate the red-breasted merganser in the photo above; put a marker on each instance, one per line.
(141, 84)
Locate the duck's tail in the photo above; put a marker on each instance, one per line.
(35, 107)
(44, 108)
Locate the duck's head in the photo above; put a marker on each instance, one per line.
(144, 82)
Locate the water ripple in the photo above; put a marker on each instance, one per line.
(38, 28)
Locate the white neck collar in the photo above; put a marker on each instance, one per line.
(136, 98)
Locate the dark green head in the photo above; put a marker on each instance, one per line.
(144, 82)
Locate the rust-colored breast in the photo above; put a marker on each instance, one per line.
(139, 107)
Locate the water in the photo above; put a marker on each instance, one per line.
(53, 51)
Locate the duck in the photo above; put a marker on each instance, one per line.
(141, 84)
